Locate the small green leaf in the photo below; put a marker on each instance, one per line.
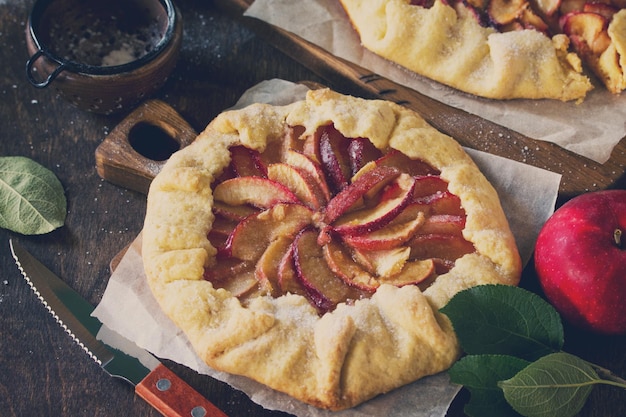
(32, 199)
(556, 385)
(503, 319)
(480, 374)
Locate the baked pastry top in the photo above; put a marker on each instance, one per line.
(310, 246)
(499, 49)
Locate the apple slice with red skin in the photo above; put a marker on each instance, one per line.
(503, 12)
(287, 278)
(220, 231)
(568, 6)
(531, 20)
(413, 273)
(255, 232)
(305, 163)
(360, 152)
(266, 269)
(226, 269)
(426, 185)
(444, 224)
(587, 31)
(603, 9)
(343, 265)
(443, 203)
(223, 226)
(368, 183)
(333, 152)
(547, 7)
(259, 192)
(235, 213)
(410, 212)
(311, 146)
(226, 174)
(413, 167)
(477, 4)
(240, 285)
(246, 162)
(447, 247)
(219, 242)
(388, 237)
(366, 220)
(382, 263)
(324, 289)
(298, 182)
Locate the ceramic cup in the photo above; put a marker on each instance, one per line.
(103, 56)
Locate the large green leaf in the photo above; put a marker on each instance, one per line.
(555, 385)
(480, 374)
(32, 200)
(502, 319)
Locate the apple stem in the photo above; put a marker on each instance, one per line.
(617, 235)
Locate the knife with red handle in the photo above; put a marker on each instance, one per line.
(119, 357)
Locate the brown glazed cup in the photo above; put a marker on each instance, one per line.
(103, 56)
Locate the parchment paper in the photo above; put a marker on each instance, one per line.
(528, 196)
(591, 129)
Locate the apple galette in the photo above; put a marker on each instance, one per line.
(310, 246)
(501, 49)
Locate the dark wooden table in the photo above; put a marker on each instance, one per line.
(42, 372)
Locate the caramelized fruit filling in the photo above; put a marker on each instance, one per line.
(331, 218)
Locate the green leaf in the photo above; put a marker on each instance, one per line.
(502, 319)
(32, 200)
(556, 385)
(480, 374)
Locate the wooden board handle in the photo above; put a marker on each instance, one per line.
(173, 397)
(136, 149)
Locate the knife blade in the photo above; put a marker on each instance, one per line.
(120, 358)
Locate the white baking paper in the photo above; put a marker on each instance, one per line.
(591, 129)
(528, 195)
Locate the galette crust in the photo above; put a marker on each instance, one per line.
(357, 351)
(454, 49)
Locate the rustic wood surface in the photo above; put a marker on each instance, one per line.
(42, 372)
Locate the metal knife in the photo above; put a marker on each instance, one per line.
(119, 357)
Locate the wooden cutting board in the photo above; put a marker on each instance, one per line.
(579, 174)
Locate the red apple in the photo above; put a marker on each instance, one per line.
(580, 259)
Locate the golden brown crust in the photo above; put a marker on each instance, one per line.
(357, 351)
(453, 48)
